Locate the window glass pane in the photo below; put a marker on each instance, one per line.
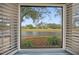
(41, 27)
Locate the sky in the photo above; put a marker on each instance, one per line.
(48, 19)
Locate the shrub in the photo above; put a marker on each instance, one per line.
(49, 40)
(53, 40)
(56, 40)
(28, 44)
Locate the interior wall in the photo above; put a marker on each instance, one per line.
(8, 28)
(9, 15)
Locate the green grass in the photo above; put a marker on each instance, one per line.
(27, 44)
(41, 30)
(52, 42)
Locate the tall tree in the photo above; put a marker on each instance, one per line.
(37, 13)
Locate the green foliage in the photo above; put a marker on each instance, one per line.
(36, 14)
(54, 26)
(53, 40)
(31, 12)
(49, 40)
(56, 40)
(30, 26)
(46, 26)
(28, 44)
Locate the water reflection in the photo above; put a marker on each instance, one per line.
(40, 33)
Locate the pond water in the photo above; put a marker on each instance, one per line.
(39, 33)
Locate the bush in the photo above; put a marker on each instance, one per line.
(53, 40)
(28, 44)
(49, 40)
(56, 40)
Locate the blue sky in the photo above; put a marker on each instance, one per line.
(51, 19)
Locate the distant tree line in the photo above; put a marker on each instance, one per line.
(43, 26)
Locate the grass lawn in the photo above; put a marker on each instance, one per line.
(40, 41)
(41, 30)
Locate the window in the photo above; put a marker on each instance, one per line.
(41, 26)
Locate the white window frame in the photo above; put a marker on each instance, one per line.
(45, 4)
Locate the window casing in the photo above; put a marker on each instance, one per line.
(64, 20)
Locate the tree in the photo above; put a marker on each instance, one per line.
(32, 12)
(30, 26)
(37, 13)
(54, 26)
